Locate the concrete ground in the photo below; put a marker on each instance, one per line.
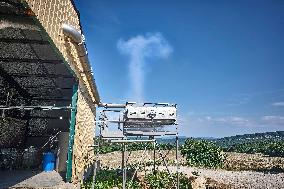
(10, 178)
(33, 180)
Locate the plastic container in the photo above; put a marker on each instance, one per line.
(48, 163)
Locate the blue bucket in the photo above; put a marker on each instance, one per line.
(48, 163)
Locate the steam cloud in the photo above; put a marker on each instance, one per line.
(139, 48)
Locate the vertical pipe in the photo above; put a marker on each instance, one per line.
(123, 161)
(96, 164)
(78, 41)
(72, 133)
(154, 157)
(177, 162)
(123, 166)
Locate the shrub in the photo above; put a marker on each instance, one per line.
(162, 180)
(275, 149)
(271, 148)
(202, 153)
(108, 179)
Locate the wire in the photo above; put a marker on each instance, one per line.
(34, 107)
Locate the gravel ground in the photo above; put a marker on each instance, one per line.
(240, 179)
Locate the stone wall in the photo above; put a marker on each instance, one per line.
(83, 155)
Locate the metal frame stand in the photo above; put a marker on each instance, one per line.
(123, 139)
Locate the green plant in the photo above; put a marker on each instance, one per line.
(106, 147)
(159, 180)
(267, 147)
(106, 179)
(202, 153)
(162, 180)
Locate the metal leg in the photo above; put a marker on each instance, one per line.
(123, 166)
(154, 169)
(96, 164)
(94, 174)
(177, 162)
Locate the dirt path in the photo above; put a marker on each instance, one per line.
(239, 179)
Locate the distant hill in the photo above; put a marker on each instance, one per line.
(232, 140)
(172, 140)
(266, 135)
(249, 138)
(181, 140)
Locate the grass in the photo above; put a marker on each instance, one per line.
(160, 180)
(108, 179)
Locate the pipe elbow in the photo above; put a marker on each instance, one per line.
(72, 33)
(78, 39)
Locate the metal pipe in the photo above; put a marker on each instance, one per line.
(129, 141)
(50, 139)
(177, 160)
(71, 134)
(110, 105)
(96, 164)
(155, 158)
(78, 40)
(123, 166)
(35, 107)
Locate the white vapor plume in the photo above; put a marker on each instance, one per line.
(278, 104)
(139, 48)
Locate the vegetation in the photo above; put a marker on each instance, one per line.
(197, 152)
(271, 148)
(202, 153)
(108, 179)
(159, 180)
(226, 142)
(162, 180)
(269, 143)
(112, 147)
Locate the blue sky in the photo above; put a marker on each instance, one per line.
(221, 61)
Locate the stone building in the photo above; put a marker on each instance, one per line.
(48, 94)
